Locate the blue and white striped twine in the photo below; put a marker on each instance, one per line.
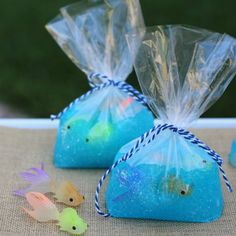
(145, 139)
(105, 82)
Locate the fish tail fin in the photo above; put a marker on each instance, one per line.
(44, 209)
(30, 213)
(35, 175)
(18, 193)
(21, 192)
(121, 196)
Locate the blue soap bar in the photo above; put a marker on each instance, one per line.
(168, 179)
(232, 154)
(93, 130)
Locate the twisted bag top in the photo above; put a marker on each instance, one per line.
(182, 71)
(123, 86)
(92, 34)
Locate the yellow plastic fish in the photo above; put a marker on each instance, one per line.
(39, 180)
(67, 194)
(44, 210)
(172, 184)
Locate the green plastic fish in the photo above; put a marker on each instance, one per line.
(100, 131)
(70, 221)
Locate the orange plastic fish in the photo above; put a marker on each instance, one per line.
(67, 194)
(125, 103)
(39, 180)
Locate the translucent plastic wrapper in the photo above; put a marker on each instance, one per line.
(183, 71)
(96, 125)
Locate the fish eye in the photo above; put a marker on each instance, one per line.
(73, 227)
(182, 192)
(86, 139)
(68, 127)
(83, 197)
(71, 199)
(204, 161)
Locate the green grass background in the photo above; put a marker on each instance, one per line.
(39, 79)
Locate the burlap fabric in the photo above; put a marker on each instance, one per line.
(22, 149)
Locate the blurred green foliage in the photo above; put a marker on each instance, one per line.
(38, 78)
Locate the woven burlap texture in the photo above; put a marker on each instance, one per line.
(23, 148)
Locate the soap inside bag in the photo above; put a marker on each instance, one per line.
(92, 131)
(170, 179)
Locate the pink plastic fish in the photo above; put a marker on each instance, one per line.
(44, 210)
(125, 103)
(39, 180)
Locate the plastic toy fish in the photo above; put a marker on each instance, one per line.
(114, 103)
(44, 211)
(232, 154)
(69, 221)
(173, 185)
(130, 179)
(100, 131)
(39, 180)
(125, 103)
(92, 131)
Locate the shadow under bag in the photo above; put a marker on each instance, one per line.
(94, 126)
(168, 173)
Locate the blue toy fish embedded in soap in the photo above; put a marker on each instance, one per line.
(130, 178)
(232, 154)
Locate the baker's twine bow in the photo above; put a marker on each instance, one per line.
(148, 137)
(104, 82)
